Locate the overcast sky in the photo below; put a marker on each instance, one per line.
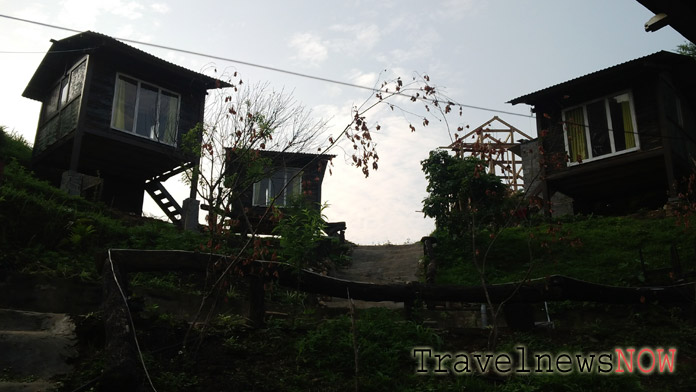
(483, 53)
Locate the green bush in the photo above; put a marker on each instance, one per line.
(461, 194)
(300, 229)
(384, 347)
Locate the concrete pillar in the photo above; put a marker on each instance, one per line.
(189, 214)
(71, 183)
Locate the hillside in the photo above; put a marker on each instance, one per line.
(49, 239)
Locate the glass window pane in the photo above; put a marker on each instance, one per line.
(64, 92)
(622, 122)
(77, 79)
(124, 104)
(277, 186)
(169, 104)
(599, 130)
(260, 194)
(147, 111)
(51, 105)
(294, 188)
(575, 131)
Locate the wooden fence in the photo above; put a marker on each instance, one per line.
(120, 352)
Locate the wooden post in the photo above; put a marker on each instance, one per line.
(431, 267)
(122, 370)
(676, 265)
(642, 263)
(257, 295)
(408, 309)
(429, 252)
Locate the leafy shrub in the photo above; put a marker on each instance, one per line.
(384, 346)
(300, 228)
(461, 193)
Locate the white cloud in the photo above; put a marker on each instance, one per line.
(310, 48)
(125, 31)
(84, 14)
(422, 44)
(454, 9)
(131, 10)
(161, 8)
(361, 37)
(364, 79)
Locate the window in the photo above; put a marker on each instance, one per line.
(61, 107)
(600, 128)
(145, 110)
(274, 187)
(67, 89)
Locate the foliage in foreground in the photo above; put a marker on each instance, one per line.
(383, 340)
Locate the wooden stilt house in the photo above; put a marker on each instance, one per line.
(112, 120)
(618, 139)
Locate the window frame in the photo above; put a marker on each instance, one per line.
(289, 174)
(160, 92)
(63, 84)
(612, 143)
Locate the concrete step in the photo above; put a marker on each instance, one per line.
(35, 345)
(34, 386)
(19, 320)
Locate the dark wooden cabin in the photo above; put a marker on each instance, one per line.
(617, 139)
(287, 175)
(112, 118)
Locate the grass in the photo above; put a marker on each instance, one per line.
(593, 248)
(14, 146)
(44, 230)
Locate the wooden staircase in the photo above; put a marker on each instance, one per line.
(164, 200)
(162, 197)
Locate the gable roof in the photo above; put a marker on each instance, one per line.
(658, 60)
(70, 49)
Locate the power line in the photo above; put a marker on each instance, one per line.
(54, 51)
(268, 68)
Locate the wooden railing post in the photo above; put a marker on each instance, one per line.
(431, 265)
(257, 295)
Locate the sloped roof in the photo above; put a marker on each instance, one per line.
(69, 49)
(291, 154)
(658, 59)
(681, 14)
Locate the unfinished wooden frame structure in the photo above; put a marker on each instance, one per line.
(493, 142)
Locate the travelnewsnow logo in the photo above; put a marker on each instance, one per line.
(645, 360)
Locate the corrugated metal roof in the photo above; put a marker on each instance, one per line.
(661, 57)
(89, 41)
